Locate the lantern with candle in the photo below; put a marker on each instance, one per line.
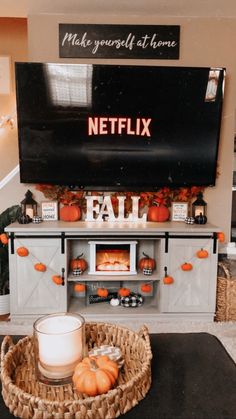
(199, 209)
(29, 205)
(59, 346)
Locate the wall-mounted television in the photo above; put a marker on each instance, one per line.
(118, 127)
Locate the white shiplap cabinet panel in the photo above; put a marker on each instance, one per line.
(195, 290)
(34, 292)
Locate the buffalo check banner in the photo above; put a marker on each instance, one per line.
(119, 41)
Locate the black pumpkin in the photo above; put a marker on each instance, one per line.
(24, 219)
(200, 219)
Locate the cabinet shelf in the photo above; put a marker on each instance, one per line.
(79, 305)
(116, 278)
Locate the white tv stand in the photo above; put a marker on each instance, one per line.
(192, 296)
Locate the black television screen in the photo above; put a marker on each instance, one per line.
(118, 127)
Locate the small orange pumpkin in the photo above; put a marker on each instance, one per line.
(57, 279)
(4, 238)
(95, 375)
(124, 292)
(168, 280)
(70, 213)
(221, 236)
(102, 292)
(78, 263)
(147, 262)
(22, 251)
(202, 254)
(40, 267)
(186, 266)
(146, 288)
(79, 287)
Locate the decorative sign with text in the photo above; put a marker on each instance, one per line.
(119, 41)
(99, 208)
(49, 210)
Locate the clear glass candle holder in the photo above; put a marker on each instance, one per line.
(59, 341)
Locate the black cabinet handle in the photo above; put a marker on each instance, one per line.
(63, 276)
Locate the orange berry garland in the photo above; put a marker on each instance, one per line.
(187, 266)
(202, 254)
(167, 280)
(22, 251)
(4, 238)
(40, 267)
(57, 279)
(221, 237)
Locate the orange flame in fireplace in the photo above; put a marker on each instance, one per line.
(113, 260)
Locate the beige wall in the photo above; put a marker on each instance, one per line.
(13, 43)
(204, 42)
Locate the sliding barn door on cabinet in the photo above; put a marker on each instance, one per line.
(193, 290)
(32, 291)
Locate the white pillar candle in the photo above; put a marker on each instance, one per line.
(60, 344)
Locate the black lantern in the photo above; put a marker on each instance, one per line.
(29, 205)
(199, 209)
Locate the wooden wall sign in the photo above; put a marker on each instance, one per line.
(119, 41)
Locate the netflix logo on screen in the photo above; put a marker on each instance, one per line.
(99, 125)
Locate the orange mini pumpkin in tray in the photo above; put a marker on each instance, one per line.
(95, 375)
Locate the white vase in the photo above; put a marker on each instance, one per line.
(4, 304)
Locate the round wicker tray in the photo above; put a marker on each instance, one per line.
(27, 398)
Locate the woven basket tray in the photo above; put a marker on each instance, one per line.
(27, 398)
(225, 296)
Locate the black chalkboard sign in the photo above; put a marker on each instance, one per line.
(119, 41)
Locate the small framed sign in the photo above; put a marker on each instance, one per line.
(179, 211)
(49, 210)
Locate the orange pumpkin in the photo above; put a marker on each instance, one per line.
(40, 267)
(95, 375)
(147, 262)
(4, 238)
(168, 280)
(158, 213)
(124, 292)
(146, 288)
(70, 213)
(102, 292)
(221, 237)
(57, 279)
(202, 254)
(187, 266)
(22, 251)
(78, 263)
(79, 287)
